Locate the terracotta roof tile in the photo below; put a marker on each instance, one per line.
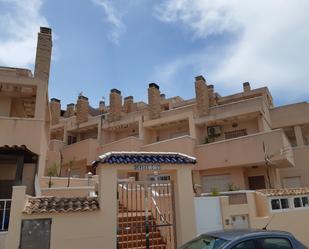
(37, 205)
(285, 191)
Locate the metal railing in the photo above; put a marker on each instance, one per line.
(5, 208)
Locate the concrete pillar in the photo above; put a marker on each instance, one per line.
(99, 130)
(40, 102)
(55, 108)
(299, 135)
(202, 98)
(82, 109)
(65, 134)
(18, 203)
(43, 54)
(108, 203)
(154, 101)
(184, 206)
(192, 129)
(140, 128)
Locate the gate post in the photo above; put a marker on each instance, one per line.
(184, 205)
(108, 203)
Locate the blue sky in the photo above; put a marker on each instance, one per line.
(104, 44)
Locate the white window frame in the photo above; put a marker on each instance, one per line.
(290, 203)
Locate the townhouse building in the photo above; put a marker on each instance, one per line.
(241, 141)
(24, 126)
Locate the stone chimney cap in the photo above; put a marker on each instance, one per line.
(82, 97)
(246, 84)
(45, 30)
(71, 104)
(154, 85)
(102, 102)
(114, 90)
(210, 87)
(55, 100)
(128, 97)
(200, 77)
(162, 95)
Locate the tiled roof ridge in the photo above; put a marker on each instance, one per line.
(52, 204)
(285, 191)
(145, 157)
(147, 153)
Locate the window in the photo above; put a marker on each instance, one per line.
(271, 243)
(275, 204)
(297, 202)
(234, 134)
(204, 242)
(249, 244)
(282, 203)
(292, 182)
(218, 182)
(305, 201)
(159, 177)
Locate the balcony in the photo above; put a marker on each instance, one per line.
(184, 144)
(239, 108)
(126, 144)
(246, 151)
(82, 150)
(22, 131)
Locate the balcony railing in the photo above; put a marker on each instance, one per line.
(5, 208)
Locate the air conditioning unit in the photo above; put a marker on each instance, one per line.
(214, 131)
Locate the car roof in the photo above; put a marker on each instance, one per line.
(233, 234)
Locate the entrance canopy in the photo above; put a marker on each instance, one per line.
(133, 157)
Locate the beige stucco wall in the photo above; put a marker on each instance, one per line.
(183, 144)
(3, 236)
(301, 169)
(292, 221)
(290, 115)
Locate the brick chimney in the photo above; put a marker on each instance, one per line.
(128, 104)
(246, 87)
(115, 105)
(70, 110)
(154, 101)
(43, 54)
(202, 98)
(211, 95)
(102, 107)
(82, 109)
(55, 109)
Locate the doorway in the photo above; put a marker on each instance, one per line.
(256, 182)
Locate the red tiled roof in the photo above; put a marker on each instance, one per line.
(285, 191)
(37, 205)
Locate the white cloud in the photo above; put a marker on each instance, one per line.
(18, 32)
(112, 17)
(272, 39)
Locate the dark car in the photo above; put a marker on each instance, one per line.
(244, 239)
